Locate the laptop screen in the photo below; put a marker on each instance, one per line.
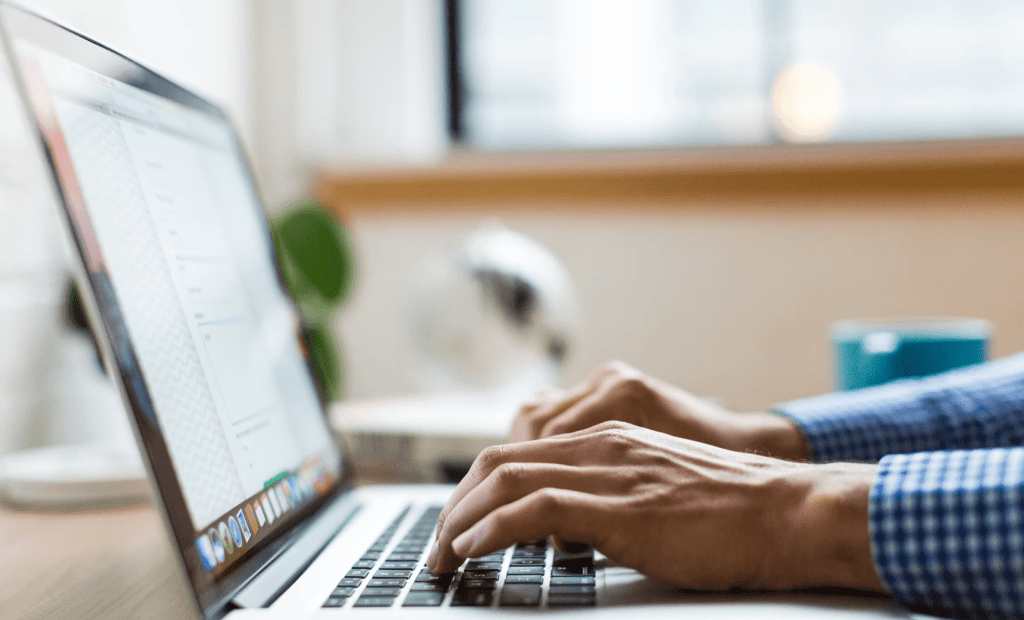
(178, 256)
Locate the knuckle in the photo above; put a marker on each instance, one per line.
(508, 474)
(614, 425)
(491, 456)
(633, 386)
(547, 501)
(616, 440)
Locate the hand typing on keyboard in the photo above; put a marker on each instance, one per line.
(619, 392)
(680, 511)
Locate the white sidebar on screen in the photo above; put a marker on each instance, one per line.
(178, 225)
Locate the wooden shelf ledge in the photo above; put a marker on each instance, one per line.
(663, 179)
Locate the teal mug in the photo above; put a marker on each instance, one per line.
(875, 351)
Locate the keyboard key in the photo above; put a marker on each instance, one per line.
(520, 595)
(426, 575)
(527, 562)
(336, 601)
(529, 553)
(571, 600)
(374, 601)
(483, 566)
(364, 564)
(491, 557)
(357, 572)
(572, 570)
(572, 581)
(388, 565)
(343, 592)
(553, 590)
(477, 584)
(385, 583)
(350, 581)
(525, 570)
(392, 592)
(524, 579)
(473, 598)
(430, 586)
(423, 599)
(392, 574)
(491, 575)
(371, 555)
(404, 557)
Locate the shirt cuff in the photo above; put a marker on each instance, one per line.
(947, 530)
(863, 425)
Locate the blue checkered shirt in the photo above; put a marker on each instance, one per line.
(947, 508)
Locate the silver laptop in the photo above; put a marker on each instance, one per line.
(177, 267)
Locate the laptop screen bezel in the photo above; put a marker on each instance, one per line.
(211, 594)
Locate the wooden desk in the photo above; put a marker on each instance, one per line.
(107, 564)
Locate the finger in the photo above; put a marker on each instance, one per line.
(590, 411)
(542, 397)
(529, 423)
(511, 482)
(564, 449)
(564, 514)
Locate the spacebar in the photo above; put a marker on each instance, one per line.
(520, 595)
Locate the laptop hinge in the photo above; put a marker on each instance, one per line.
(284, 569)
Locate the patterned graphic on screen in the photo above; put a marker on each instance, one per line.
(155, 319)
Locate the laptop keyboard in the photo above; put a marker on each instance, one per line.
(514, 577)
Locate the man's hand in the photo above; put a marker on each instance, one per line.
(617, 391)
(685, 513)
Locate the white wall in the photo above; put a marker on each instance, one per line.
(728, 300)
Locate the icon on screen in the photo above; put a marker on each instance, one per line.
(218, 544)
(244, 525)
(273, 501)
(261, 518)
(282, 501)
(268, 510)
(206, 554)
(250, 516)
(225, 536)
(236, 532)
(283, 497)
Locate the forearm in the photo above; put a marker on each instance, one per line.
(979, 407)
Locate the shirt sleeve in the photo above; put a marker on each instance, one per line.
(947, 530)
(977, 407)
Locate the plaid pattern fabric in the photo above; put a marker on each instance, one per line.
(946, 517)
(977, 407)
(947, 530)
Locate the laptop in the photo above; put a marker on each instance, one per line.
(176, 264)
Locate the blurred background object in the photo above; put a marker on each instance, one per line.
(318, 266)
(721, 181)
(497, 312)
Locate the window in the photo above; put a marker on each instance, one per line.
(646, 73)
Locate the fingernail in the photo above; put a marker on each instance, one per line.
(463, 545)
(433, 553)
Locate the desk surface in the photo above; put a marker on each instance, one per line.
(108, 564)
(96, 564)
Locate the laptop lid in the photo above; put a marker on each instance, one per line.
(179, 272)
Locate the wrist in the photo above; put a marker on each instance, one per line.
(825, 538)
(772, 435)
